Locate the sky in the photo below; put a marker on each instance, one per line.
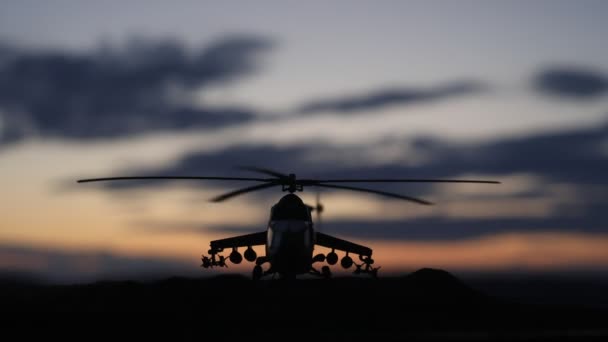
(512, 91)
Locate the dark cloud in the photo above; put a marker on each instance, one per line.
(390, 97)
(61, 266)
(571, 156)
(147, 87)
(589, 220)
(222, 162)
(572, 82)
(587, 216)
(119, 92)
(434, 229)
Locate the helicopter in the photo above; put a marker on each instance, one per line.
(290, 236)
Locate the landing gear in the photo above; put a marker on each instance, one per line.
(289, 277)
(325, 272)
(258, 272)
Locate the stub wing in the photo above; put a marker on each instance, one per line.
(254, 239)
(342, 245)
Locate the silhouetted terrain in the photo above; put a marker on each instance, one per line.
(427, 304)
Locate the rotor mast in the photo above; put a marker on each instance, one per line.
(292, 184)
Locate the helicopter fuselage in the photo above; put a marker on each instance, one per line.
(290, 240)
(290, 237)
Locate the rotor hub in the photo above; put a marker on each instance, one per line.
(291, 184)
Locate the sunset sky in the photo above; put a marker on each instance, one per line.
(512, 91)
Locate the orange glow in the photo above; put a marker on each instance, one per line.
(530, 251)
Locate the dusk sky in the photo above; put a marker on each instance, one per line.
(512, 91)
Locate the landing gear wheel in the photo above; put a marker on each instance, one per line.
(287, 277)
(326, 272)
(374, 273)
(257, 272)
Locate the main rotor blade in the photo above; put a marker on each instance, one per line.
(172, 177)
(264, 171)
(228, 195)
(401, 180)
(378, 192)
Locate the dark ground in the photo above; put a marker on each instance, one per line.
(424, 305)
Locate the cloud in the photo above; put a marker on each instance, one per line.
(572, 156)
(571, 215)
(114, 92)
(571, 82)
(222, 162)
(439, 229)
(390, 97)
(590, 220)
(149, 86)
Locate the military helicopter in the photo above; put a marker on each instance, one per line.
(290, 237)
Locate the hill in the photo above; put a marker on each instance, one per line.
(430, 304)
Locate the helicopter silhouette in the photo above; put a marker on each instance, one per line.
(290, 237)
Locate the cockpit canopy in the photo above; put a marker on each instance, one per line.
(290, 207)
